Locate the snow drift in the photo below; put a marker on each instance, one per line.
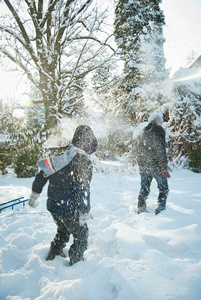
(129, 256)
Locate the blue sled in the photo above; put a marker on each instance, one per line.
(12, 203)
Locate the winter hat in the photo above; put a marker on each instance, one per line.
(85, 139)
(155, 118)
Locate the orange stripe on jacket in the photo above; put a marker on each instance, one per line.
(46, 162)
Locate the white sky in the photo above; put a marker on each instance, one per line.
(182, 31)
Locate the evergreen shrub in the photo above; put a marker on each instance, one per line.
(195, 160)
(5, 158)
(25, 164)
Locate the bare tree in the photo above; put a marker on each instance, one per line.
(56, 43)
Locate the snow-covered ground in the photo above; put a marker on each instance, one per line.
(129, 257)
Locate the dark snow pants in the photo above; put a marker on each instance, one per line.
(146, 179)
(67, 226)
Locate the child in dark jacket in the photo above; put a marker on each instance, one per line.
(152, 161)
(69, 176)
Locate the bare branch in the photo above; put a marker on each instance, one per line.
(86, 4)
(96, 40)
(63, 24)
(70, 105)
(17, 62)
(23, 31)
(13, 34)
(51, 8)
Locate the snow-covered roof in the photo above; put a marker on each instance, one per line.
(196, 63)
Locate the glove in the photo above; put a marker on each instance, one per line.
(163, 170)
(32, 199)
(83, 218)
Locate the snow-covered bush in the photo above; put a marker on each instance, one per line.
(5, 158)
(185, 116)
(115, 144)
(195, 160)
(25, 164)
(27, 149)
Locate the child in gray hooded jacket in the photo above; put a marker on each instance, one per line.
(69, 177)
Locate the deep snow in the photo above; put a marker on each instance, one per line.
(129, 256)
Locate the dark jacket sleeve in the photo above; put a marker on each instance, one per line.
(83, 170)
(160, 145)
(39, 182)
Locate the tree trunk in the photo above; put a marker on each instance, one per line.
(49, 92)
(51, 118)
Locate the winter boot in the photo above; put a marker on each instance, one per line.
(75, 256)
(161, 205)
(141, 206)
(80, 242)
(54, 251)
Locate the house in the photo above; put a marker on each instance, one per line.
(196, 63)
